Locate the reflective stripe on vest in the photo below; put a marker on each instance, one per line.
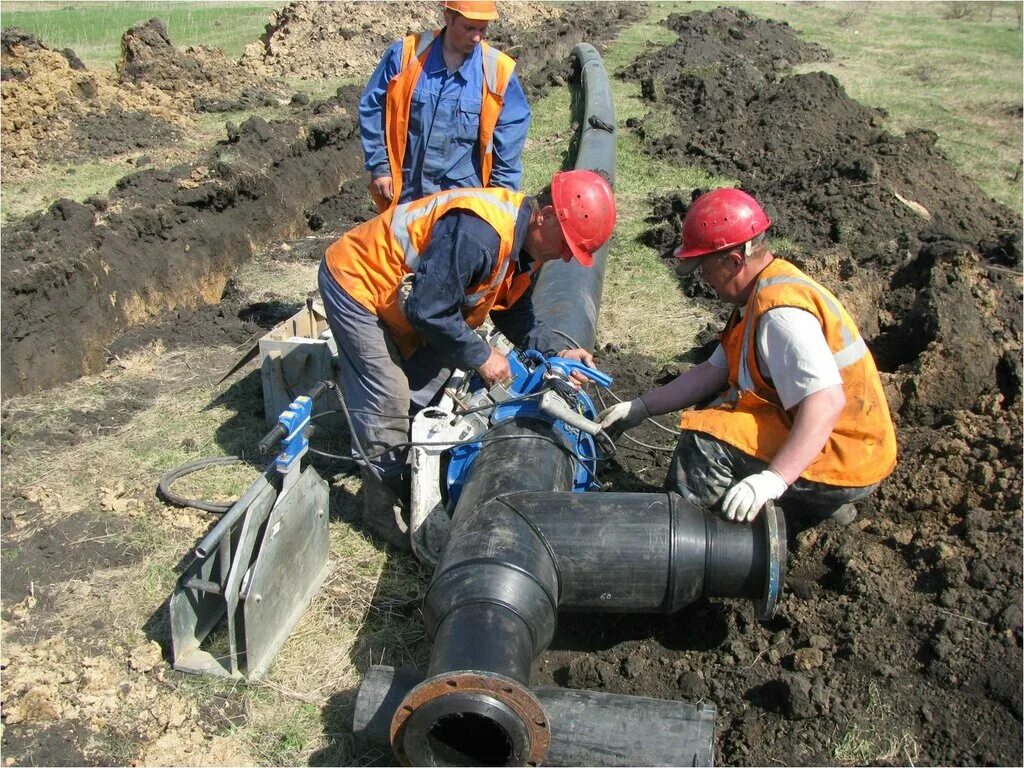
(861, 450)
(854, 348)
(497, 73)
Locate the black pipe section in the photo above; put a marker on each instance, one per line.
(645, 552)
(587, 728)
(568, 295)
(514, 559)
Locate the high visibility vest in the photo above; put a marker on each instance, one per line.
(371, 261)
(861, 450)
(498, 68)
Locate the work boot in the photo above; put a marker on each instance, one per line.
(385, 509)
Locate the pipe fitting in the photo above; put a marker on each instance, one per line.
(470, 718)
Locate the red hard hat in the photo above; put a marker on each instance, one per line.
(719, 220)
(585, 205)
(477, 10)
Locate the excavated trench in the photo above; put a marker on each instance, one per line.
(904, 630)
(168, 240)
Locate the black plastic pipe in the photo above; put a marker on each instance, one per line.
(521, 546)
(568, 295)
(587, 728)
(514, 559)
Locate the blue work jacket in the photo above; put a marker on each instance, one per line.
(443, 150)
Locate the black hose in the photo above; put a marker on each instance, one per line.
(163, 489)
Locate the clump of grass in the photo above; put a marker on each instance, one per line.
(876, 736)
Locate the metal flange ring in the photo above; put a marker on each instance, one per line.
(504, 690)
(775, 544)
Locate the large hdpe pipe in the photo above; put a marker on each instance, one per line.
(568, 295)
(494, 596)
(587, 728)
(514, 559)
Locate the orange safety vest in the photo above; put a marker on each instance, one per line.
(861, 450)
(498, 68)
(371, 261)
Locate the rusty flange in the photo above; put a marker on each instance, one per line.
(506, 690)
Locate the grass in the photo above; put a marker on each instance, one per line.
(959, 77)
(876, 737)
(93, 30)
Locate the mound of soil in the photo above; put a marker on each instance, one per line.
(324, 40)
(346, 39)
(200, 76)
(54, 108)
(163, 240)
(922, 596)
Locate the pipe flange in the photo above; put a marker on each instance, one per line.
(507, 692)
(775, 543)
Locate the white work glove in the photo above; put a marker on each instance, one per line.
(622, 416)
(744, 500)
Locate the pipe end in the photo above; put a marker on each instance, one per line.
(470, 718)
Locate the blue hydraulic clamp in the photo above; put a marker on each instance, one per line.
(295, 442)
(569, 410)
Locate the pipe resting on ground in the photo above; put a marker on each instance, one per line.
(587, 728)
(513, 560)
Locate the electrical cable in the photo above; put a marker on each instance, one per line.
(567, 337)
(481, 441)
(662, 427)
(491, 406)
(218, 507)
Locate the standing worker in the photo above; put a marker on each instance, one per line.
(405, 291)
(798, 411)
(443, 110)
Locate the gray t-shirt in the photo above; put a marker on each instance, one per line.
(792, 353)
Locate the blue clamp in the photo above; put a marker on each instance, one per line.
(567, 367)
(295, 419)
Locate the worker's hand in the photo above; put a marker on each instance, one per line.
(744, 500)
(580, 355)
(622, 416)
(495, 368)
(382, 190)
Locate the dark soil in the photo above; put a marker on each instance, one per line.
(164, 238)
(903, 629)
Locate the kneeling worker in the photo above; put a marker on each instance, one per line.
(405, 291)
(798, 411)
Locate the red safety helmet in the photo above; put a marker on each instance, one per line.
(717, 221)
(477, 10)
(585, 205)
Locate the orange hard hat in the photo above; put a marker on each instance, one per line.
(719, 220)
(585, 205)
(478, 10)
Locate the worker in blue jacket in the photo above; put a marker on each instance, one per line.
(443, 110)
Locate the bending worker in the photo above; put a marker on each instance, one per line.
(443, 110)
(405, 291)
(798, 411)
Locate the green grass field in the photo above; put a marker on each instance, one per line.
(93, 30)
